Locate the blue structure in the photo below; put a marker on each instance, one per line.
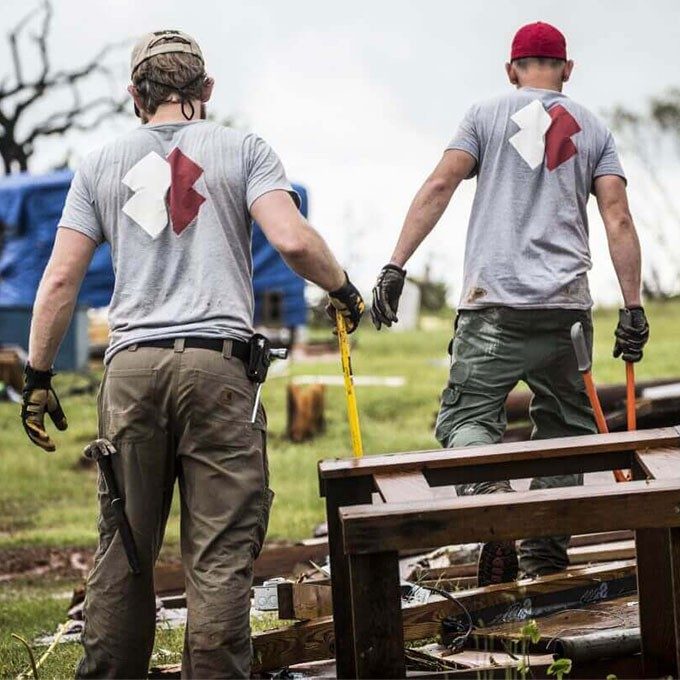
(30, 208)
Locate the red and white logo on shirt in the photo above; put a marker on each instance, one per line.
(544, 135)
(164, 192)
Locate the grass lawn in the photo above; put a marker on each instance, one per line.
(49, 499)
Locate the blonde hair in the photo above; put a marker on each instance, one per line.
(163, 75)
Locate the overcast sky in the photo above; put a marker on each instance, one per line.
(360, 98)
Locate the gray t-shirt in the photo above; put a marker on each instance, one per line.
(173, 201)
(538, 153)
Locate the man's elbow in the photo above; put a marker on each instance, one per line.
(621, 226)
(293, 246)
(59, 282)
(439, 186)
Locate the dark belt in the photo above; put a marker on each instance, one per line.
(239, 349)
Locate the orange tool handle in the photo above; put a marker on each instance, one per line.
(631, 416)
(584, 365)
(600, 420)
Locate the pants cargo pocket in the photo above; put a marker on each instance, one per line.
(450, 397)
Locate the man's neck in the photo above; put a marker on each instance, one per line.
(171, 112)
(542, 84)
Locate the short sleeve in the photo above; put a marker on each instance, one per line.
(79, 212)
(609, 163)
(467, 137)
(264, 171)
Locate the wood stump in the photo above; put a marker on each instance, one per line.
(305, 411)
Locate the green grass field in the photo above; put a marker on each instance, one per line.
(49, 499)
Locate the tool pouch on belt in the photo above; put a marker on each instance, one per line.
(260, 358)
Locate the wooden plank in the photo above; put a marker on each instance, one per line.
(314, 640)
(662, 463)
(655, 588)
(473, 658)
(397, 487)
(674, 567)
(586, 445)
(618, 550)
(342, 493)
(376, 616)
(600, 537)
(639, 505)
(304, 601)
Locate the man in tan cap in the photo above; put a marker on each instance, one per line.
(175, 200)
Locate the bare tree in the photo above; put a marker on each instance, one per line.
(20, 93)
(652, 137)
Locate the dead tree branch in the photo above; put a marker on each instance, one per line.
(19, 91)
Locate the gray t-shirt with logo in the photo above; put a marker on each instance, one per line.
(173, 201)
(538, 153)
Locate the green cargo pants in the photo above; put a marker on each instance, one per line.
(179, 415)
(492, 350)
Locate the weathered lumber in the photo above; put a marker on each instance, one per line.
(638, 505)
(345, 492)
(617, 550)
(397, 487)
(438, 655)
(660, 463)
(513, 460)
(304, 601)
(601, 537)
(314, 640)
(376, 615)
(658, 594)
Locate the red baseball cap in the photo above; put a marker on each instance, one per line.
(538, 40)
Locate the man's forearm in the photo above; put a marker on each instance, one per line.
(313, 260)
(426, 209)
(52, 312)
(624, 248)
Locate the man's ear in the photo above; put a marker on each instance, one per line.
(511, 70)
(134, 93)
(568, 68)
(208, 85)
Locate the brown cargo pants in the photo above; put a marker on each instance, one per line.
(179, 414)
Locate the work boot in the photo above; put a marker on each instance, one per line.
(497, 563)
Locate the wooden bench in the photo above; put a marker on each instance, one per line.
(413, 508)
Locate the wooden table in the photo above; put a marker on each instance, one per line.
(409, 511)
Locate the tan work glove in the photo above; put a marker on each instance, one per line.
(39, 398)
(348, 302)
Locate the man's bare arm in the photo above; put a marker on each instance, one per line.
(300, 245)
(57, 294)
(430, 202)
(624, 246)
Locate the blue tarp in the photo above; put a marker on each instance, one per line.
(30, 208)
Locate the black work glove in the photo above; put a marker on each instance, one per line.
(347, 301)
(631, 334)
(39, 398)
(386, 294)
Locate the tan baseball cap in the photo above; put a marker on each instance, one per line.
(162, 42)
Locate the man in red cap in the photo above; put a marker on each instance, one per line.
(537, 155)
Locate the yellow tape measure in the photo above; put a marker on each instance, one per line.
(352, 410)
